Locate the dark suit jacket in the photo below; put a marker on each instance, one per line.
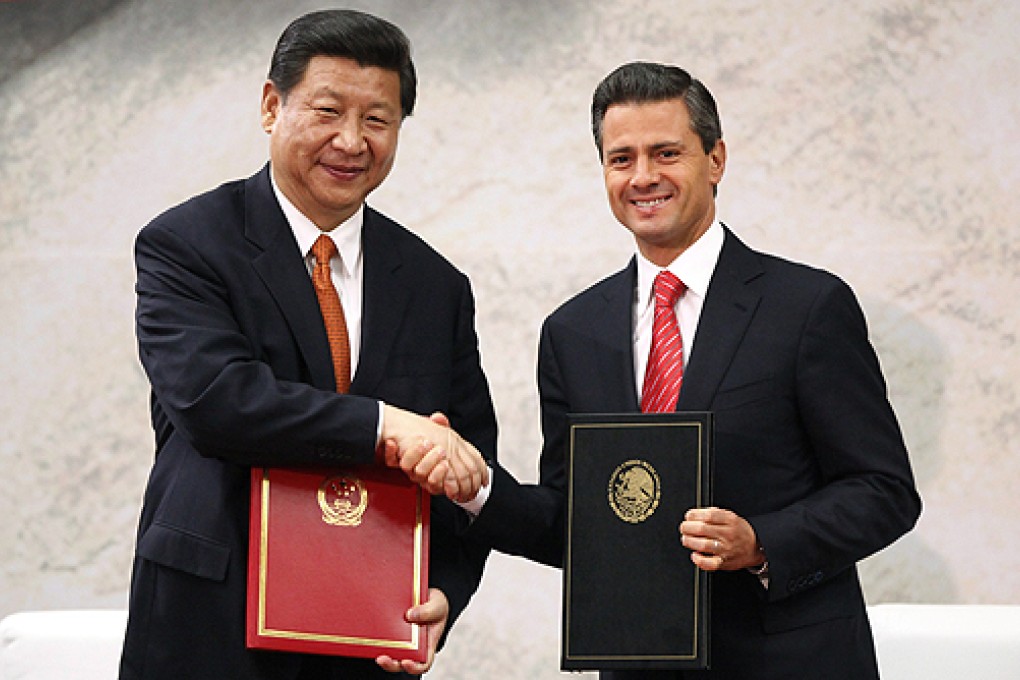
(233, 343)
(807, 449)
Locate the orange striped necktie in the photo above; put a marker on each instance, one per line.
(332, 312)
(665, 371)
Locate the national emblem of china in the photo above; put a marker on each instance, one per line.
(634, 489)
(343, 500)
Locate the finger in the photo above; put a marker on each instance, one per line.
(716, 550)
(431, 611)
(481, 466)
(388, 664)
(477, 470)
(459, 479)
(709, 515)
(415, 668)
(439, 418)
(429, 461)
(485, 473)
(389, 452)
(452, 488)
(458, 462)
(702, 544)
(693, 542)
(414, 454)
(707, 562)
(693, 528)
(436, 478)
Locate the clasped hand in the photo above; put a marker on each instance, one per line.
(432, 454)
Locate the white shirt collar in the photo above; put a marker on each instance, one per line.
(346, 236)
(694, 266)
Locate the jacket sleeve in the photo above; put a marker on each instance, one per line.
(864, 497)
(527, 520)
(209, 380)
(458, 564)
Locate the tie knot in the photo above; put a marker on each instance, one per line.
(668, 288)
(323, 249)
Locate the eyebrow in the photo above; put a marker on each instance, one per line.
(326, 91)
(655, 147)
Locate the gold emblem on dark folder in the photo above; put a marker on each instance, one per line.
(343, 501)
(634, 489)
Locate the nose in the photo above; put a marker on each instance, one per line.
(646, 174)
(349, 137)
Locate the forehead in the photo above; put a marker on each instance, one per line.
(635, 123)
(345, 77)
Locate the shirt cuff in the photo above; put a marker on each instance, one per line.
(379, 427)
(474, 506)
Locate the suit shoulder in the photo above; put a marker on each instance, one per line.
(745, 263)
(799, 271)
(801, 289)
(200, 211)
(595, 297)
(410, 244)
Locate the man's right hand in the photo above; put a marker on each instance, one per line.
(433, 455)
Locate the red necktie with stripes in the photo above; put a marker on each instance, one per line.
(332, 312)
(665, 370)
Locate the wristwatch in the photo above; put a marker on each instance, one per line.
(763, 568)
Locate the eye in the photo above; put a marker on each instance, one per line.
(618, 160)
(327, 111)
(669, 154)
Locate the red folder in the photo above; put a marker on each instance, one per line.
(336, 558)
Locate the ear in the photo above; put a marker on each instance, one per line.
(271, 103)
(717, 162)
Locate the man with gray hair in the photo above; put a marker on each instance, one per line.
(253, 365)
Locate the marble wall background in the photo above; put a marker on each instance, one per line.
(879, 139)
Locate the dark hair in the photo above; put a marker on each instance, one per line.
(640, 82)
(366, 39)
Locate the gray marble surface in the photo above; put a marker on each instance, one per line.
(878, 139)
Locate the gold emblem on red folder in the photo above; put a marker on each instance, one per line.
(343, 501)
(634, 489)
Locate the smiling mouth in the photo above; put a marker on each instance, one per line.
(343, 170)
(650, 203)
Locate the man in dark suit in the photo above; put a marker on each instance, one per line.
(811, 470)
(243, 371)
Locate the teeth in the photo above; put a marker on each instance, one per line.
(648, 204)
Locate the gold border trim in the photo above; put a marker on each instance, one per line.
(265, 632)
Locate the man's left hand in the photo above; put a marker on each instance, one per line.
(721, 540)
(432, 616)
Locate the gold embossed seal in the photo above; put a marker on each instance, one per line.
(343, 500)
(634, 489)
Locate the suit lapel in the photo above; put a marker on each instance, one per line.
(733, 296)
(280, 265)
(386, 294)
(613, 326)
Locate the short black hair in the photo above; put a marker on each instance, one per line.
(366, 39)
(640, 82)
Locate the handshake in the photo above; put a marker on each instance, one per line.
(432, 454)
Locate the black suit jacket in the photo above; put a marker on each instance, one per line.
(233, 343)
(807, 449)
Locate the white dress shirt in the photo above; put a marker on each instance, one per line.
(694, 267)
(346, 268)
